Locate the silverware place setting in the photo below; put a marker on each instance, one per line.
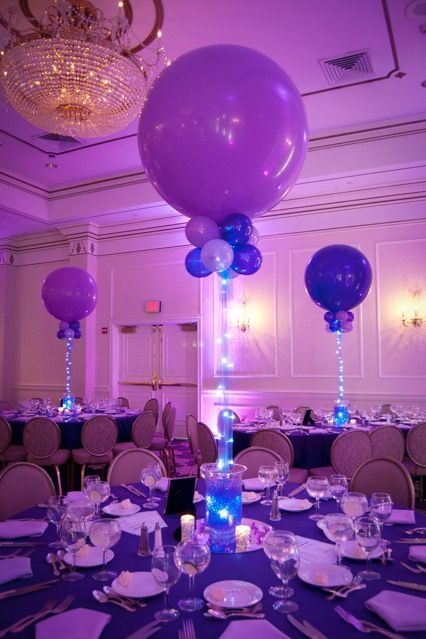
(306, 628)
(345, 591)
(51, 608)
(250, 612)
(365, 626)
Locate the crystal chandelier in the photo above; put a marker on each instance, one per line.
(74, 72)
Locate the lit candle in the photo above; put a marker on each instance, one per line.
(242, 536)
(352, 421)
(187, 523)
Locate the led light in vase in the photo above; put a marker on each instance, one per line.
(341, 413)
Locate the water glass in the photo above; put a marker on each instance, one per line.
(317, 487)
(283, 471)
(192, 558)
(354, 504)
(104, 533)
(98, 492)
(166, 572)
(338, 487)
(56, 508)
(338, 527)
(367, 534)
(268, 476)
(381, 508)
(281, 548)
(149, 476)
(73, 537)
(272, 539)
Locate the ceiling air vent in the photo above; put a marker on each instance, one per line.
(56, 142)
(347, 68)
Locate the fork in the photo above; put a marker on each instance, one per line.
(365, 626)
(50, 604)
(188, 629)
(53, 611)
(417, 571)
(344, 591)
(414, 531)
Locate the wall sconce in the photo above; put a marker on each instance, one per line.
(416, 320)
(242, 320)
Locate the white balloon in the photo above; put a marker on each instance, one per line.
(254, 237)
(217, 255)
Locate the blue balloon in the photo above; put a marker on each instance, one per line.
(194, 265)
(247, 259)
(237, 229)
(229, 274)
(75, 325)
(60, 334)
(77, 335)
(338, 277)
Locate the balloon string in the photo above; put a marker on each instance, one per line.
(339, 353)
(225, 421)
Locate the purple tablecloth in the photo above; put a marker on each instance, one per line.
(253, 567)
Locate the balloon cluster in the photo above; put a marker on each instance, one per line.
(340, 321)
(227, 248)
(69, 330)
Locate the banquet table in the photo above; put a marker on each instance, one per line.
(252, 567)
(71, 427)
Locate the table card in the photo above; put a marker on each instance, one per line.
(314, 551)
(132, 524)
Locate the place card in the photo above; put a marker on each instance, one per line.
(311, 550)
(132, 524)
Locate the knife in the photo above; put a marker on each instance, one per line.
(133, 490)
(145, 631)
(408, 584)
(11, 544)
(306, 628)
(297, 490)
(408, 540)
(15, 592)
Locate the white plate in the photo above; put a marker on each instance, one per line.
(250, 497)
(118, 511)
(232, 594)
(93, 558)
(143, 585)
(197, 497)
(294, 505)
(324, 575)
(352, 550)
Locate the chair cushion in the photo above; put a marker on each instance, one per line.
(158, 443)
(322, 471)
(61, 456)
(122, 446)
(298, 475)
(14, 453)
(81, 456)
(412, 467)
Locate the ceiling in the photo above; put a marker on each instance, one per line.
(298, 35)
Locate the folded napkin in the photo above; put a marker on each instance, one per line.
(14, 528)
(400, 611)
(74, 495)
(79, 623)
(252, 629)
(417, 553)
(162, 485)
(402, 517)
(253, 483)
(15, 568)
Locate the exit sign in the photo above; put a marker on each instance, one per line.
(153, 306)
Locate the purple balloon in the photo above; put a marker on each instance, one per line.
(69, 293)
(254, 237)
(342, 316)
(350, 316)
(63, 326)
(329, 317)
(69, 333)
(237, 229)
(223, 130)
(200, 229)
(346, 327)
(247, 259)
(60, 334)
(338, 277)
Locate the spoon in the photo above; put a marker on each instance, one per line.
(51, 559)
(220, 614)
(103, 599)
(112, 593)
(60, 557)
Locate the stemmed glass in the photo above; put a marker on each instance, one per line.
(338, 487)
(367, 534)
(98, 492)
(268, 476)
(192, 558)
(73, 537)
(281, 548)
(381, 508)
(338, 527)
(166, 572)
(104, 533)
(283, 471)
(318, 488)
(150, 475)
(56, 508)
(354, 504)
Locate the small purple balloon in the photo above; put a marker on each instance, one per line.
(247, 259)
(69, 293)
(194, 265)
(237, 229)
(329, 316)
(60, 334)
(346, 327)
(69, 333)
(342, 316)
(254, 237)
(200, 229)
(63, 326)
(350, 316)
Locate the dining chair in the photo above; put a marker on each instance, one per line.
(123, 402)
(383, 474)
(9, 452)
(126, 467)
(42, 439)
(348, 451)
(152, 406)
(387, 441)
(143, 430)
(191, 433)
(207, 445)
(276, 441)
(5, 406)
(415, 463)
(98, 438)
(256, 456)
(163, 444)
(23, 485)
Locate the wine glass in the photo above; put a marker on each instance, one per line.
(281, 548)
(272, 539)
(192, 558)
(73, 536)
(88, 479)
(268, 476)
(82, 508)
(149, 477)
(104, 533)
(354, 504)
(381, 508)
(338, 487)
(98, 492)
(338, 527)
(317, 487)
(166, 572)
(283, 471)
(367, 534)
(56, 508)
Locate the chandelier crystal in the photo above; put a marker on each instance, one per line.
(75, 73)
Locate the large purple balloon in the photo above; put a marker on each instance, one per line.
(69, 293)
(338, 277)
(223, 130)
